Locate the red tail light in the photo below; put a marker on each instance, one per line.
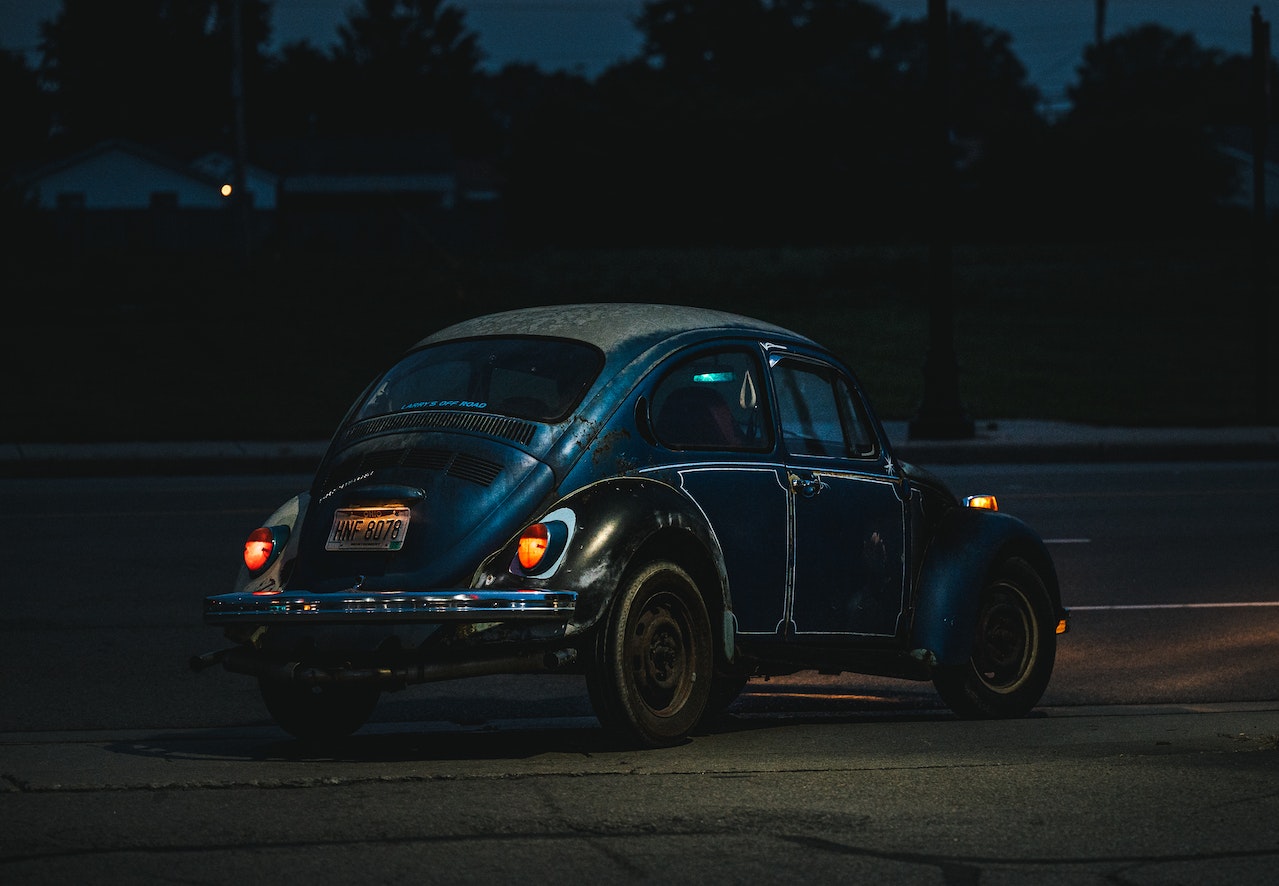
(258, 548)
(533, 543)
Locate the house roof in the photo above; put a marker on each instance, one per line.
(116, 145)
(318, 165)
(119, 174)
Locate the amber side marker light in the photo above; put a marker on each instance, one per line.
(258, 548)
(533, 543)
(985, 502)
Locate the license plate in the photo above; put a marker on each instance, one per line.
(368, 529)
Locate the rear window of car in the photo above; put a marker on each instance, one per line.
(541, 379)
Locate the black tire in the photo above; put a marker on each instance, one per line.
(1014, 647)
(651, 675)
(318, 713)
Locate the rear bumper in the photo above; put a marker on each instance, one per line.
(390, 607)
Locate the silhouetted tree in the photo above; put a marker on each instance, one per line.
(27, 114)
(746, 121)
(295, 95)
(998, 139)
(405, 66)
(146, 69)
(27, 121)
(1137, 143)
(551, 157)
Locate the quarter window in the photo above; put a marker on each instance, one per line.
(713, 401)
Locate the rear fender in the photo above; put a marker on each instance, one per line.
(617, 522)
(289, 517)
(967, 546)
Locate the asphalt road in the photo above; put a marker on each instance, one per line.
(1153, 758)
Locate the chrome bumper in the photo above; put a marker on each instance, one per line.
(371, 607)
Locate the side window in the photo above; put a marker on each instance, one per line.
(819, 413)
(857, 424)
(713, 401)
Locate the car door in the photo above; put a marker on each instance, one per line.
(847, 514)
(711, 410)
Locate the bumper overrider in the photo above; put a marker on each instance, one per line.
(388, 607)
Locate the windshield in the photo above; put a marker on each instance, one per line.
(535, 378)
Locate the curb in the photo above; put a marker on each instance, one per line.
(158, 459)
(1043, 442)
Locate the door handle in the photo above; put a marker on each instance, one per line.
(808, 488)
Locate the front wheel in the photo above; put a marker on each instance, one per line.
(1014, 647)
(651, 676)
(318, 713)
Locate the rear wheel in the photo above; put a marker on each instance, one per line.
(318, 713)
(1014, 647)
(651, 676)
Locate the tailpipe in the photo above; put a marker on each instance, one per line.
(207, 660)
(560, 658)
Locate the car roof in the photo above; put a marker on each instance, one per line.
(610, 327)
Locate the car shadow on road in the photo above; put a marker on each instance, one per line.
(568, 729)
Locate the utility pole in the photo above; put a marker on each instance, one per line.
(941, 414)
(1261, 222)
(239, 181)
(1101, 22)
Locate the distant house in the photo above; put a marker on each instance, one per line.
(119, 175)
(348, 195)
(119, 195)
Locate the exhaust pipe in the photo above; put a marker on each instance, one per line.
(199, 663)
(560, 658)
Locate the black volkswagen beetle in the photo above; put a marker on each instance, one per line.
(665, 499)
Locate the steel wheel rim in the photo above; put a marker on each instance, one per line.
(658, 654)
(1007, 642)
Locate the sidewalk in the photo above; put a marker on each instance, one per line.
(1006, 442)
(1030, 441)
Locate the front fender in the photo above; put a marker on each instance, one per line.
(967, 545)
(617, 521)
